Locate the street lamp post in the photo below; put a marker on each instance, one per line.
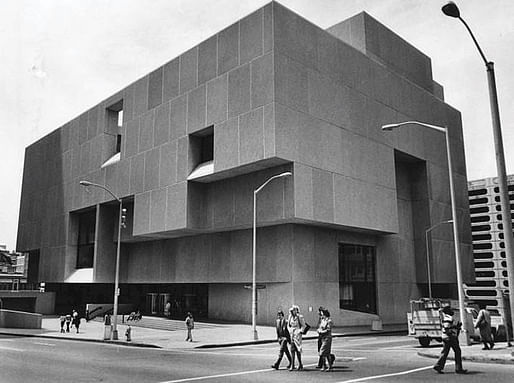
(254, 252)
(114, 335)
(427, 231)
(460, 287)
(451, 9)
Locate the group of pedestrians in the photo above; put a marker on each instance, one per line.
(290, 332)
(68, 320)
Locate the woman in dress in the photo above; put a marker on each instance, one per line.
(295, 325)
(325, 334)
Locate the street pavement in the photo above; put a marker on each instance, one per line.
(210, 335)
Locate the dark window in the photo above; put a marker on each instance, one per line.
(481, 237)
(114, 115)
(481, 228)
(477, 201)
(484, 274)
(504, 263)
(484, 265)
(506, 283)
(502, 254)
(472, 193)
(357, 282)
(483, 218)
(475, 210)
(482, 255)
(86, 240)
(482, 246)
(485, 283)
(202, 146)
(482, 293)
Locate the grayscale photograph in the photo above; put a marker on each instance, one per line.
(256, 191)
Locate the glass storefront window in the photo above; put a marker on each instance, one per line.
(357, 282)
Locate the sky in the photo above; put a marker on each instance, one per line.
(58, 58)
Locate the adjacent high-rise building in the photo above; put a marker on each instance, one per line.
(488, 242)
(185, 146)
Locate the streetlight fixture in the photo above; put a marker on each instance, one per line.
(427, 231)
(451, 9)
(114, 335)
(460, 288)
(254, 252)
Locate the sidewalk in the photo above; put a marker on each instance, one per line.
(209, 335)
(474, 353)
(205, 335)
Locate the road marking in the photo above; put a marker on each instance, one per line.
(11, 349)
(45, 344)
(388, 375)
(225, 375)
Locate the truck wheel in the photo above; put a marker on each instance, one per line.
(424, 342)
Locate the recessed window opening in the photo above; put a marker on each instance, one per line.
(113, 133)
(202, 150)
(86, 240)
(357, 281)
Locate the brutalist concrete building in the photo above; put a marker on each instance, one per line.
(186, 146)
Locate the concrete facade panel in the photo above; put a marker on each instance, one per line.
(140, 97)
(291, 83)
(155, 88)
(158, 210)
(228, 48)
(168, 164)
(217, 100)
(239, 91)
(176, 206)
(152, 169)
(146, 129)
(269, 131)
(207, 60)
(162, 124)
(251, 136)
(170, 80)
(142, 213)
(196, 109)
(226, 145)
(137, 174)
(251, 38)
(178, 117)
(262, 80)
(188, 70)
(267, 30)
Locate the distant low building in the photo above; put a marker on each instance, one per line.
(488, 242)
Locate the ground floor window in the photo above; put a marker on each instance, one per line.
(357, 282)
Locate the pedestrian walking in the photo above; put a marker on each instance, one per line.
(325, 335)
(284, 339)
(62, 319)
(296, 326)
(68, 322)
(320, 340)
(190, 325)
(75, 320)
(484, 325)
(450, 337)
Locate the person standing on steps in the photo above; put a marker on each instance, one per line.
(190, 325)
(450, 337)
(284, 339)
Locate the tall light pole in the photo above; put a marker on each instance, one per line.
(460, 287)
(427, 231)
(452, 10)
(254, 252)
(114, 335)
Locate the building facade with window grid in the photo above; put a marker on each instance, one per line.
(488, 242)
(270, 93)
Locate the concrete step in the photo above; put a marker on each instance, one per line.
(160, 323)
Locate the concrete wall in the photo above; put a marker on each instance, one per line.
(19, 319)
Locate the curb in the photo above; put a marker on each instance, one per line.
(116, 342)
(472, 358)
(311, 337)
